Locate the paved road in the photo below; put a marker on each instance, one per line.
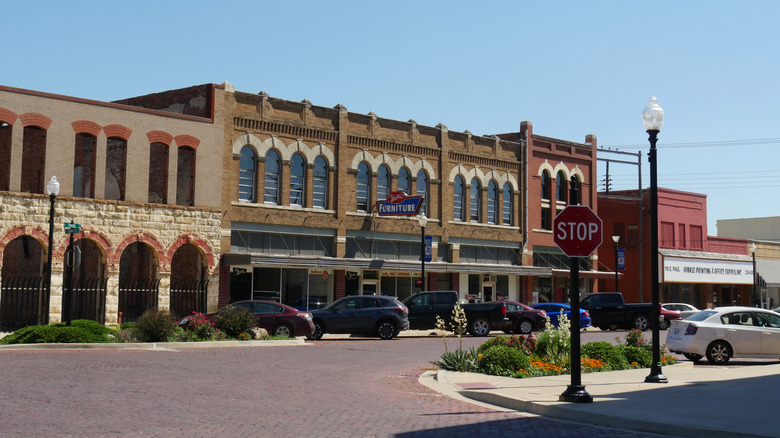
(332, 388)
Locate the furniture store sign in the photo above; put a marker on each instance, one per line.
(682, 270)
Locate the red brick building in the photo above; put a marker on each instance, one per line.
(696, 268)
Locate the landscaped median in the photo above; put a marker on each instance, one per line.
(548, 354)
(235, 324)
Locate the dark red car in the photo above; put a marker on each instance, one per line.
(522, 319)
(668, 317)
(279, 319)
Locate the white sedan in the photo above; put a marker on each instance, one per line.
(726, 332)
(685, 309)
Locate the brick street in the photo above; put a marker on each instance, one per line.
(333, 388)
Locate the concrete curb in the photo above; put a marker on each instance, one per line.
(169, 346)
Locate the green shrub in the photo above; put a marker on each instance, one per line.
(79, 332)
(156, 326)
(234, 320)
(637, 355)
(501, 360)
(517, 342)
(607, 353)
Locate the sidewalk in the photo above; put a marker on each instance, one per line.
(702, 401)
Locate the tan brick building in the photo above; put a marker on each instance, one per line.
(301, 186)
(141, 183)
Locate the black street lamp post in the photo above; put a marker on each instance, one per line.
(423, 220)
(53, 189)
(616, 239)
(653, 117)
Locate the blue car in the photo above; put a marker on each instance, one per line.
(555, 309)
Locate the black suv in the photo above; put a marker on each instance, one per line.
(379, 315)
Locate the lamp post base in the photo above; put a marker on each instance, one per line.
(576, 394)
(656, 377)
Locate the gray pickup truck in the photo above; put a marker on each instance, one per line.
(609, 311)
(480, 317)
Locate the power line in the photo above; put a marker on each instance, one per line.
(702, 144)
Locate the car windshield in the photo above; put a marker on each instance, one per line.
(701, 316)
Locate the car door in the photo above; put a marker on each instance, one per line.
(770, 333)
(345, 315)
(552, 312)
(421, 312)
(743, 333)
(368, 312)
(267, 315)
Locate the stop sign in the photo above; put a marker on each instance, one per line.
(577, 231)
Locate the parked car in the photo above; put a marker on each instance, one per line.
(312, 303)
(480, 317)
(685, 309)
(522, 319)
(554, 310)
(379, 315)
(667, 316)
(278, 319)
(725, 332)
(608, 310)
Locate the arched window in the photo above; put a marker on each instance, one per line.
(492, 201)
(363, 187)
(404, 185)
(246, 175)
(546, 184)
(320, 183)
(476, 204)
(185, 178)
(84, 166)
(33, 159)
(507, 210)
(560, 187)
(382, 183)
(422, 190)
(576, 181)
(297, 180)
(272, 169)
(116, 163)
(158, 173)
(5, 156)
(458, 199)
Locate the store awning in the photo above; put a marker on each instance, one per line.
(769, 270)
(583, 274)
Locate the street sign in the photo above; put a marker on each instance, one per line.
(71, 228)
(577, 231)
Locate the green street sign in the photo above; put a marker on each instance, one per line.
(71, 228)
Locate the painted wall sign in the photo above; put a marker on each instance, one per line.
(683, 270)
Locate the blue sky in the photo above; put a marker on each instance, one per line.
(571, 68)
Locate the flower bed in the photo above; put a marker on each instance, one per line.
(549, 354)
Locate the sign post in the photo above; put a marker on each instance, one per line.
(577, 232)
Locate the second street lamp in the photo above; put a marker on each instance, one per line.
(616, 239)
(653, 118)
(423, 220)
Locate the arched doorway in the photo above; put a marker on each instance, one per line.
(23, 299)
(189, 281)
(138, 281)
(89, 282)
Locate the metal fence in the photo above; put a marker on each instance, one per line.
(188, 296)
(136, 297)
(23, 302)
(89, 299)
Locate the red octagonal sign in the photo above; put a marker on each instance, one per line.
(577, 231)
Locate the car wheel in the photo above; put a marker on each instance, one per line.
(525, 326)
(479, 327)
(319, 330)
(386, 330)
(664, 324)
(641, 322)
(692, 357)
(718, 353)
(283, 330)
